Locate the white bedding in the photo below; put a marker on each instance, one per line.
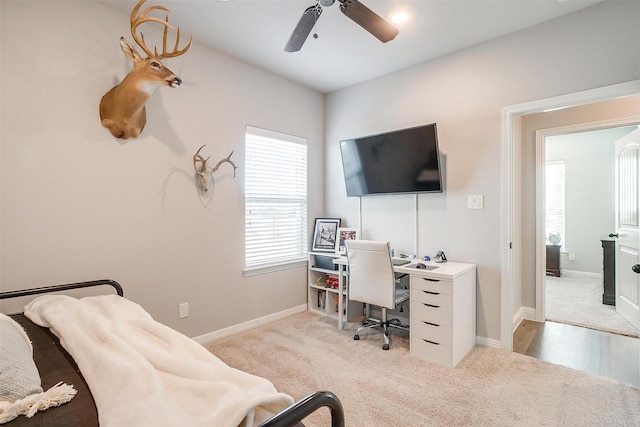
(142, 373)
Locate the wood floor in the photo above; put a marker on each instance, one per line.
(600, 353)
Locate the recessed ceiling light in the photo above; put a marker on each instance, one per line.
(399, 17)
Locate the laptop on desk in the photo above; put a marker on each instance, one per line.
(400, 261)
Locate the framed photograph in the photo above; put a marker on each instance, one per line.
(346, 234)
(325, 235)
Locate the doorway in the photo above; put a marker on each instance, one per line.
(512, 261)
(586, 153)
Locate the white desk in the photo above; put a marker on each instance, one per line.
(442, 308)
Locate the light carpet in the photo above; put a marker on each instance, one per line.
(577, 300)
(306, 352)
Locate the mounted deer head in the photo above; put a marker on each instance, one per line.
(122, 109)
(203, 171)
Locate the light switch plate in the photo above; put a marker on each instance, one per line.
(475, 202)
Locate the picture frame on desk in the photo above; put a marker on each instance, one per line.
(346, 234)
(325, 233)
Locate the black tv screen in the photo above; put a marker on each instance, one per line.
(403, 161)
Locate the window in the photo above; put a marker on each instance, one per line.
(555, 198)
(275, 200)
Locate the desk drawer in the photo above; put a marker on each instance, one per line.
(430, 332)
(436, 352)
(431, 298)
(432, 314)
(432, 285)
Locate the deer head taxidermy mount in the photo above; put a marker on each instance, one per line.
(122, 109)
(204, 171)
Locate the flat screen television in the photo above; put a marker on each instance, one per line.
(403, 161)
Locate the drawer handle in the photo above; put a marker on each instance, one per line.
(431, 305)
(431, 342)
(431, 324)
(430, 280)
(431, 293)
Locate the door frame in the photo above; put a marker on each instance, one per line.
(509, 124)
(541, 135)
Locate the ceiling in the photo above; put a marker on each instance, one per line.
(256, 31)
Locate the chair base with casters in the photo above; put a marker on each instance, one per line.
(402, 295)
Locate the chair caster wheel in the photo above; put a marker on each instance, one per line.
(356, 337)
(385, 347)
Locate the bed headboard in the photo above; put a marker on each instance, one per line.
(65, 287)
(11, 302)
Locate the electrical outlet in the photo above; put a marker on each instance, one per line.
(183, 310)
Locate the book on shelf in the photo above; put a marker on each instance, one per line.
(321, 300)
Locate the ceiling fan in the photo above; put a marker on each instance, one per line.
(356, 11)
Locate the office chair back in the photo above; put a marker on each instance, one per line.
(371, 276)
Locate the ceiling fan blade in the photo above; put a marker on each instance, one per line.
(369, 20)
(302, 30)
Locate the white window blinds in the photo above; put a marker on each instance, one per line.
(275, 198)
(555, 195)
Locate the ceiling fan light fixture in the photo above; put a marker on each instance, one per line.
(399, 17)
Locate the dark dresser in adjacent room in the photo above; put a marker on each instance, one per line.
(609, 271)
(553, 260)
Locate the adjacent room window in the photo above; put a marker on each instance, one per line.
(555, 195)
(275, 200)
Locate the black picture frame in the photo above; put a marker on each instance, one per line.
(325, 233)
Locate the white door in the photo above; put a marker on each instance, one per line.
(628, 227)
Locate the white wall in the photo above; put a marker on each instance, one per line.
(77, 204)
(464, 93)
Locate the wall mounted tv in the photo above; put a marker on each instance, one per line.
(400, 162)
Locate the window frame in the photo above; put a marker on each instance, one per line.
(256, 268)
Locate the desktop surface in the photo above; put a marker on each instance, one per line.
(436, 270)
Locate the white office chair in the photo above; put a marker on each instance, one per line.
(372, 281)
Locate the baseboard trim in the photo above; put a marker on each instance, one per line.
(574, 273)
(488, 342)
(241, 327)
(524, 313)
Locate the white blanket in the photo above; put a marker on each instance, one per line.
(142, 373)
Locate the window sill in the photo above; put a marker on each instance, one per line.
(270, 268)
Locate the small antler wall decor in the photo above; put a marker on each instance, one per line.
(122, 109)
(204, 171)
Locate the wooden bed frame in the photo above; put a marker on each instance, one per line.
(55, 364)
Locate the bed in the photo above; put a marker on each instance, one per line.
(55, 365)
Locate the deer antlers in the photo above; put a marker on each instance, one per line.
(135, 21)
(203, 171)
(122, 109)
